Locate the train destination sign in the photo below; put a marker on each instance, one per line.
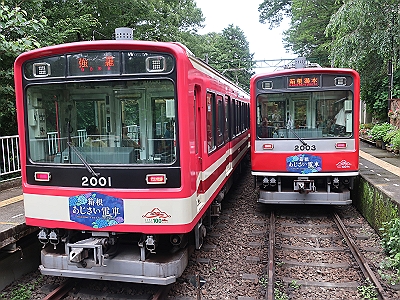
(95, 63)
(99, 63)
(303, 81)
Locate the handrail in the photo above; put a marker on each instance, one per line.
(9, 157)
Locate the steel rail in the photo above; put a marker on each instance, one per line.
(61, 291)
(368, 273)
(271, 258)
(162, 292)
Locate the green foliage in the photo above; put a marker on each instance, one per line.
(365, 35)
(18, 34)
(368, 291)
(392, 135)
(306, 35)
(58, 21)
(273, 11)
(395, 141)
(279, 292)
(22, 291)
(391, 240)
(263, 281)
(389, 272)
(294, 285)
(229, 53)
(378, 132)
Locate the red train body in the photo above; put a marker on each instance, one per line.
(304, 135)
(127, 149)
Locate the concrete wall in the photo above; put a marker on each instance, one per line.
(376, 206)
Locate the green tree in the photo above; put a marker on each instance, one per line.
(229, 53)
(273, 11)
(309, 18)
(365, 37)
(306, 35)
(74, 20)
(157, 20)
(17, 34)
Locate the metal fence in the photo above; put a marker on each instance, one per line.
(9, 157)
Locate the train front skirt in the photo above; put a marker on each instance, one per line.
(160, 269)
(268, 197)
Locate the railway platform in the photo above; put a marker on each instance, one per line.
(381, 168)
(12, 220)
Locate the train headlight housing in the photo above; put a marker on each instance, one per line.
(155, 64)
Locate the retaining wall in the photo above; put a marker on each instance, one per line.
(375, 205)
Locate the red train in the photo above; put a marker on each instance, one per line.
(127, 149)
(304, 135)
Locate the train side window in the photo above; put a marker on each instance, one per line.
(237, 117)
(220, 120)
(210, 120)
(232, 111)
(226, 121)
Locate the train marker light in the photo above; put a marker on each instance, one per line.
(268, 146)
(156, 179)
(155, 64)
(340, 81)
(341, 145)
(41, 69)
(42, 176)
(267, 85)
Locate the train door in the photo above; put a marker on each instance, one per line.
(198, 138)
(225, 123)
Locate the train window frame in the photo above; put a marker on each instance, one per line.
(227, 119)
(220, 117)
(210, 121)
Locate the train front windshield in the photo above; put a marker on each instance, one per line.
(102, 122)
(322, 114)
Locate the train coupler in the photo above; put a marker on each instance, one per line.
(148, 243)
(87, 253)
(304, 185)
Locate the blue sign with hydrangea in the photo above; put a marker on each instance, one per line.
(304, 163)
(96, 210)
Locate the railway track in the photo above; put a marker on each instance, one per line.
(234, 262)
(75, 289)
(313, 256)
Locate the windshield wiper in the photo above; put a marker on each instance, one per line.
(295, 134)
(82, 159)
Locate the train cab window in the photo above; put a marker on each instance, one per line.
(305, 114)
(133, 122)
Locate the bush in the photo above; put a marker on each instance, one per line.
(379, 131)
(391, 240)
(391, 134)
(395, 141)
